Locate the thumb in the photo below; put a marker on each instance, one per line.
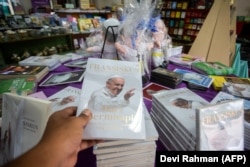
(85, 116)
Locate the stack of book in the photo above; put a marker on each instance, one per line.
(184, 60)
(17, 71)
(173, 113)
(129, 152)
(49, 61)
(166, 77)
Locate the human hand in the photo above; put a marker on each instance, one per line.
(63, 135)
(129, 93)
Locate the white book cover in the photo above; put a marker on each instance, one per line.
(67, 97)
(181, 104)
(222, 97)
(151, 133)
(112, 90)
(24, 119)
(195, 78)
(220, 127)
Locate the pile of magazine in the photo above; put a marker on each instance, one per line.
(129, 152)
(173, 112)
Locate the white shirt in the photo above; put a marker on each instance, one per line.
(102, 100)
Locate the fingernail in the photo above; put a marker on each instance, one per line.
(86, 112)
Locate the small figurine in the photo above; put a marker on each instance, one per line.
(15, 58)
(162, 42)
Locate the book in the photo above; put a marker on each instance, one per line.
(81, 63)
(212, 68)
(152, 88)
(179, 105)
(165, 77)
(184, 60)
(239, 90)
(23, 123)
(219, 80)
(112, 90)
(62, 58)
(220, 127)
(22, 86)
(49, 61)
(151, 134)
(222, 97)
(66, 97)
(195, 78)
(14, 71)
(63, 78)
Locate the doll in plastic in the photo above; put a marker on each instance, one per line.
(161, 42)
(106, 47)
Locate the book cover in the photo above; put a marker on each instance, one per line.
(181, 104)
(239, 90)
(222, 97)
(220, 127)
(195, 78)
(82, 63)
(112, 90)
(85, 24)
(219, 80)
(66, 97)
(212, 68)
(63, 78)
(152, 88)
(165, 77)
(24, 121)
(151, 133)
(14, 71)
(184, 60)
(18, 85)
(49, 61)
